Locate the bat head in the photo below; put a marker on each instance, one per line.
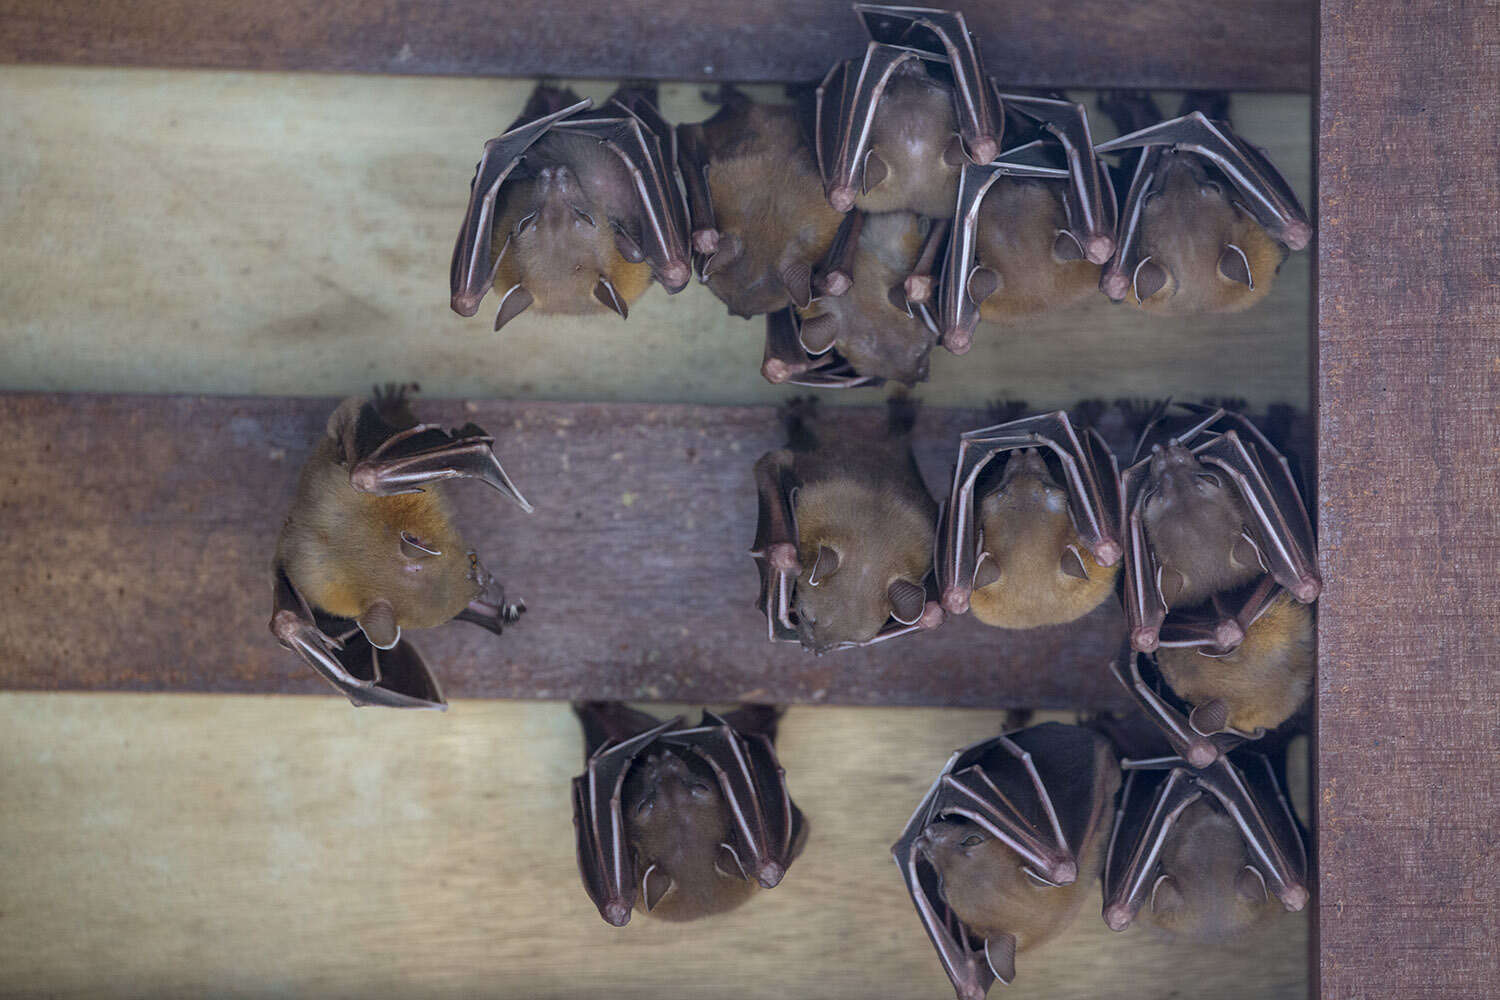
(915, 153)
(1195, 523)
(1208, 888)
(420, 564)
(1199, 251)
(846, 594)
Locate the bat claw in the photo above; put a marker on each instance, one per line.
(1297, 235)
(956, 600)
(1118, 916)
(841, 198)
(676, 274)
(1307, 589)
(783, 557)
(932, 616)
(1144, 639)
(1201, 753)
(1115, 284)
(617, 912)
(918, 288)
(770, 873)
(958, 341)
(1293, 897)
(1099, 248)
(706, 241)
(1108, 552)
(835, 283)
(1228, 634)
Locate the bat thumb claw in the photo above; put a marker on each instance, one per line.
(1099, 248)
(770, 873)
(841, 198)
(1108, 552)
(616, 912)
(1117, 916)
(1294, 897)
(955, 600)
(958, 341)
(1201, 754)
(1115, 284)
(932, 616)
(1297, 234)
(1144, 639)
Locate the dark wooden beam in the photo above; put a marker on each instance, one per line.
(139, 532)
(1241, 45)
(1409, 381)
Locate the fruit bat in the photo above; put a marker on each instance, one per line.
(867, 332)
(1211, 508)
(1003, 851)
(1207, 219)
(845, 535)
(369, 549)
(759, 222)
(1199, 735)
(1030, 533)
(895, 130)
(1215, 850)
(573, 210)
(681, 821)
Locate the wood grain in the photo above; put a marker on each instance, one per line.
(1409, 381)
(1245, 45)
(139, 533)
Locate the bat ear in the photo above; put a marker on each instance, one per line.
(728, 864)
(413, 548)
(1251, 884)
(825, 566)
(818, 334)
(1000, 953)
(796, 278)
(378, 623)
(875, 171)
(1066, 247)
(655, 884)
(1234, 265)
(1165, 895)
(1247, 553)
(1170, 583)
(1072, 563)
(983, 282)
(986, 572)
(628, 246)
(1209, 717)
(604, 291)
(907, 600)
(1150, 278)
(953, 153)
(516, 301)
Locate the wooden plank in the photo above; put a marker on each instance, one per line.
(1409, 380)
(1243, 45)
(139, 532)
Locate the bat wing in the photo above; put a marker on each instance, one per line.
(1089, 473)
(958, 302)
(650, 159)
(786, 360)
(1198, 748)
(1090, 199)
(943, 35)
(1253, 799)
(766, 826)
(692, 164)
(1267, 196)
(775, 547)
(605, 860)
(426, 453)
(606, 722)
(1118, 277)
(1220, 633)
(1150, 803)
(391, 678)
(474, 263)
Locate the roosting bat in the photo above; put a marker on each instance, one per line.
(1030, 533)
(760, 224)
(1207, 220)
(868, 330)
(844, 536)
(681, 821)
(1004, 849)
(369, 549)
(573, 210)
(895, 130)
(1215, 851)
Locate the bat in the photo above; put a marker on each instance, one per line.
(869, 330)
(1211, 508)
(681, 821)
(1003, 851)
(844, 536)
(1216, 850)
(573, 210)
(1030, 533)
(369, 549)
(1207, 219)
(895, 130)
(759, 222)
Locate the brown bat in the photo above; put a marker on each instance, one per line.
(895, 130)
(1207, 220)
(760, 224)
(573, 210)
(1216, 850)
(1030, 533)
(869, 329)
(1210, 508)
(369, 549)
(1003, 851)
(844, 536)
(681, 821)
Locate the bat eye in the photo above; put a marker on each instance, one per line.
(700, 789)
(1211, 480)
(1210, 188)
(972, 840)
(643, 808)
(415, 548)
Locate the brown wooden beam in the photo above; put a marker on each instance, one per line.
(1409, 380)
(1241, 45)
(138, 534)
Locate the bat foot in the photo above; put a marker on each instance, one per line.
(958, 341)
(1117, 916)
(1144, 639)
(706, 241)
(1293, 897)
(1099, 248)
(1116, 285)
(783, 557)
(932, 616)
(1297, 234)
(841, 198)
(616, 912)
(918, 288)
(956, 600)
